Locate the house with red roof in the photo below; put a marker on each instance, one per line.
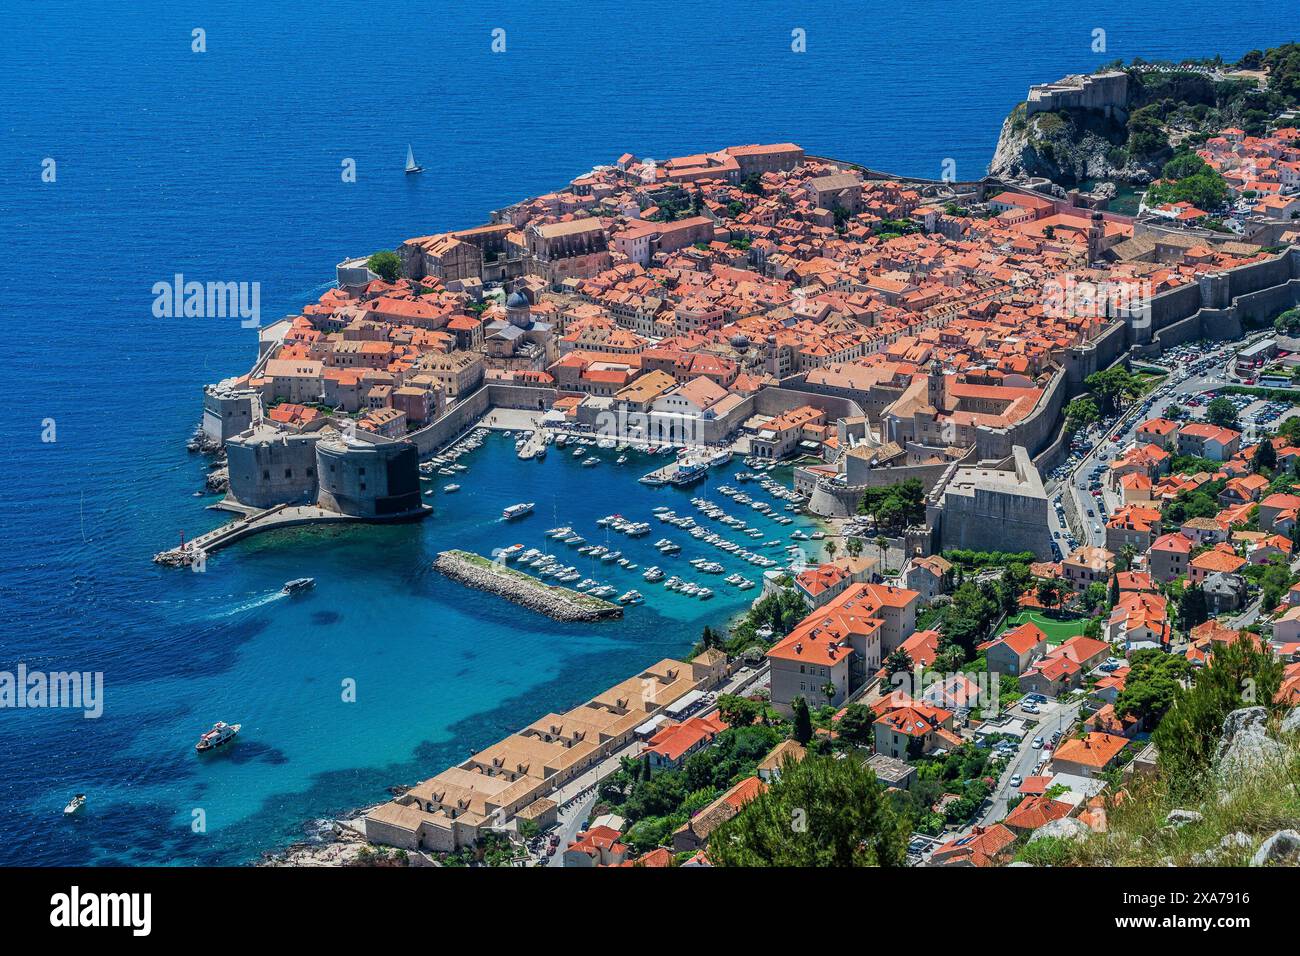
(673, 744)
(1219, 559)
(1034, 812)
(1169, 556)
(1088, 756)
(598, 846)
(1016, 650)
(914, 729)
(1208, 441)
(983, 846)
(1273, 507)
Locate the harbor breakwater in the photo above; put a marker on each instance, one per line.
(561, 604)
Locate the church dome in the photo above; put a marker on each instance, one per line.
(517, 300)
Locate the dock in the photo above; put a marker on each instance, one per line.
(195, 551)
(535, 445)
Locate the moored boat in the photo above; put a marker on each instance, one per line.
(220, 734)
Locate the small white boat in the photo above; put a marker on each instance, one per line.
(451, 488)
(411, 165)
(75, 804)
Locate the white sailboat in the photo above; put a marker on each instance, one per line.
(411, 165)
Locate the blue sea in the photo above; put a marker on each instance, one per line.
(225, 165)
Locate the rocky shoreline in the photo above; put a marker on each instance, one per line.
(560, 604)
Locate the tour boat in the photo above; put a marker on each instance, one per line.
(299, 584)
(75, 804)
(221, 733)
(411, 165)
(518, 511)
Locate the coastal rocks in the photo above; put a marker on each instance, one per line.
(218, 481)
(202, 443)
(1065, 146)
(1245, 750)
(1066, 828)
(557, 603)
(1281, 849)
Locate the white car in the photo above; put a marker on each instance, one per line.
(1016, 780)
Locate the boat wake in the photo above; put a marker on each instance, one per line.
(252, 605)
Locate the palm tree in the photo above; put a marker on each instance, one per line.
(831, 548)
(881, 543)
(854, 546)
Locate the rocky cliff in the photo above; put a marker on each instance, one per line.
(1067, 147)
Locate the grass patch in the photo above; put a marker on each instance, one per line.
(1058, 629)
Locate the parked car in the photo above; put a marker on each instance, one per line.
(1016, 780)
(1038, 743)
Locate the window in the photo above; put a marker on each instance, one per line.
(266, 474)
(288, 473)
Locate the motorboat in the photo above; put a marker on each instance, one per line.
(220, 735)
(298, 585)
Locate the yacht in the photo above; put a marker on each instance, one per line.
(298, 585)
(560, 532)
(221, 733)
(653, 574)
(631, 597)
(704, 593)
(517, 511)
(579, 451)
(75, 804)
(451, 488)
(589, 462)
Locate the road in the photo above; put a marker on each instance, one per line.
(1059, 718)
(1111, 438)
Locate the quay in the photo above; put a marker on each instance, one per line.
(195, 551)
(561, 604)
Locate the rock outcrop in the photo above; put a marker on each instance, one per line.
(1245, 749)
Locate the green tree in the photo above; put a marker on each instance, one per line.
(1265, 457)
(1192, 609)
(1112, 385)
(1049, 592)
(803, 729)
(854, 546)
(1221, 412)
(737, 711)
(1240, 674)
(857, 725)
(820, 812)
(1153, 681)
(897, 662)
(385, 264)
(830, 549)
(1081, 413)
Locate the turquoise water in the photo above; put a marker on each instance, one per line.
(225, 166)
(423, 653)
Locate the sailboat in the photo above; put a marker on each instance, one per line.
(411, 165)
